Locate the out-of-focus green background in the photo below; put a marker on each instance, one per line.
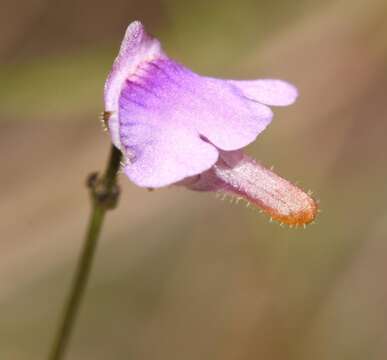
(183, 275)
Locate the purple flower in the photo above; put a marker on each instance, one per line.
(174, 126)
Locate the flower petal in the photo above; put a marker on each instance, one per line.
(268, 91)
(169, 117)
(136, 47)
(155, 163)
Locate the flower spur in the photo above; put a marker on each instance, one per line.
(174, 126)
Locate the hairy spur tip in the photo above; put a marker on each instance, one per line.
(277, 197)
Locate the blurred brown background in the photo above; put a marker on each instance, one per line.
(182, 275)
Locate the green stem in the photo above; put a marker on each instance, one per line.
(104, 194)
